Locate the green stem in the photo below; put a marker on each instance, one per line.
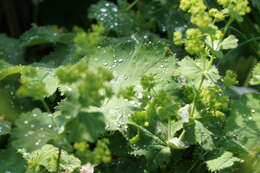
(169, 128)
(194, 102)
(58, 161)
(46, 106)
(227, 26)
(131, 5)
(181, 135)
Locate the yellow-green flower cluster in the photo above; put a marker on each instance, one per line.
(235, 7)
(193, 43)
(197, 9)
(177, 38)
(216, 14)
(213, 101)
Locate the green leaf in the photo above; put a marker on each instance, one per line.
(62, 54)
(11, 161)
(244, 121)
(86, 126)
(33, 130)
(37, 82)
(7, 69)
(124, 59)
(230, 42)
(11, 51)
(224, 161)
(47, 157)
(197, 133)
(256, 3)
(255, 76)
(203, 136)
(43, 35)
(158, 156)
(193, 70)
(114, 19)
(5, 127)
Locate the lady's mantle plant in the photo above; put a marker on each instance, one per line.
(117, 103)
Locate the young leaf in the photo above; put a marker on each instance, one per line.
(224, 161)
(37, 83)
(229, 43)
(193, 70)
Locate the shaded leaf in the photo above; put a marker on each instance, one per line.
(11, 161)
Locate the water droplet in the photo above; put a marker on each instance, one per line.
(125, 77)
(250, 118)
(116, 24)
(253, 111)
(32, 125)
(115, 9)
(49, 125)
(30, 132)
(103, 9)
(105, 63)
(120, 60)
(37, 143)
(26, 122)
(140, 95)
(107, 4)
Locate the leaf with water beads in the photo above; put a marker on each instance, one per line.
(114, 18)
(129, 61)
(43, 35)
(33, 130)
(47, 157)
(11, 51)
(244, 120)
